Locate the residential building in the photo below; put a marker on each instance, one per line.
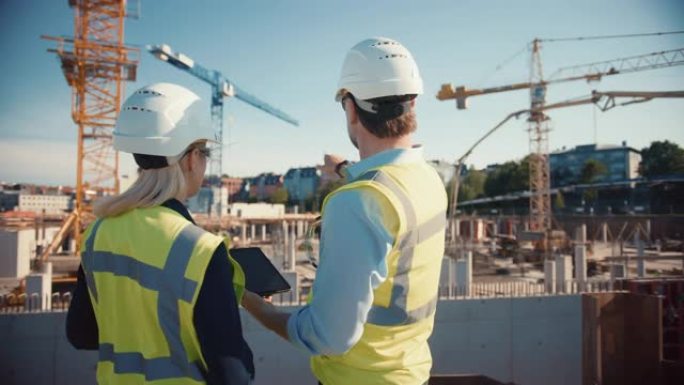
(264, 185)
(207, 200)
(302, 183)
(622, 163)
(233, 186)
(37, 203)
(9, 200)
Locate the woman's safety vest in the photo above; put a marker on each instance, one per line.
(144, 270)
(393, 348)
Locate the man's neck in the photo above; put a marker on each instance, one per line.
(372, 145)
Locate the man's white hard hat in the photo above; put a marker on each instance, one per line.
(161, 119)
(379, 67)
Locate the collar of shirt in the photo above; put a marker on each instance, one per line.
(177, 206)
(392, 156)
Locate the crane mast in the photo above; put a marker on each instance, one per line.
(221, 87)
(539, 123)
(95, 63)
(539, 127)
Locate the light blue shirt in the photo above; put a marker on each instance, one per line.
(355, 243)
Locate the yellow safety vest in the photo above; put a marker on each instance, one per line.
(144, 270)
(393, 348)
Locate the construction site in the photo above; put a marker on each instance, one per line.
(528, 294)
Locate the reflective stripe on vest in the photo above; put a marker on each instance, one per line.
(397, 312)
(172, 286)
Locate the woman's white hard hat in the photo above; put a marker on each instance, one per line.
(161, 119)
(379, 67)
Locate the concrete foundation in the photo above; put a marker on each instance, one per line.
(530, 341)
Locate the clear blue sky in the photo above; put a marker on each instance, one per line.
(289, 53)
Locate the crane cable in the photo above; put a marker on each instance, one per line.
(501, 65)
(602, 37)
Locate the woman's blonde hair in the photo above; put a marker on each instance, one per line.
(152, 188)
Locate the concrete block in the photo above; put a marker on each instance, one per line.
(447, 277)
(563, 272)
(550, 276)
(38, 292)
(581, 264)
(464, 273)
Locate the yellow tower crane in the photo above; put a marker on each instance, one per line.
(540, 199)
(95, 63)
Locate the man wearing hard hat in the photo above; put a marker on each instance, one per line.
(373, 301)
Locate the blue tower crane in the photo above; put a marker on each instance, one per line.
(221, 87)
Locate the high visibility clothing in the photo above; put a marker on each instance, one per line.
(393, 348)
(144, 270)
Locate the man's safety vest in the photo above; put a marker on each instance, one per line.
(393, 348)
(144, 270)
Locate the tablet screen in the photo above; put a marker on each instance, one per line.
(261, 277)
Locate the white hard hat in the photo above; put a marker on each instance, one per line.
(378, 67)
(161, 119)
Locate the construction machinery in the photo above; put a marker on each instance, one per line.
(95, 63)
(221, 87)
(540, 199)
(603, 100)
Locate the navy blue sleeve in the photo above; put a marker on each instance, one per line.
(217, 322)
(81, 325)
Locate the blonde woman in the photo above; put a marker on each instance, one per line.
(157, 295)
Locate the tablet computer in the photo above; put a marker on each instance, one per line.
(261, 277)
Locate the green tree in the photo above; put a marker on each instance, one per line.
(559, 201)
(472, 185)
(661, 158)
(508, 177)
(279, 196)
(591, 170)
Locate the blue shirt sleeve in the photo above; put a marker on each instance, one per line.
(218, 327)
(355, 241)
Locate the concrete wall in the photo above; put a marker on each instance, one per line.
(533, 340)
(17, 247)
(34, 350)
(256, 210)
(529, 341)
(8, 253)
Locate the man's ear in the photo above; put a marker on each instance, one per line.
(187, 162)
(353, 115)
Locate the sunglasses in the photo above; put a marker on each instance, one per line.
(206, 152)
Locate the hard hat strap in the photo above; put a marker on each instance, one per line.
(384, 111)
(150, 162)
